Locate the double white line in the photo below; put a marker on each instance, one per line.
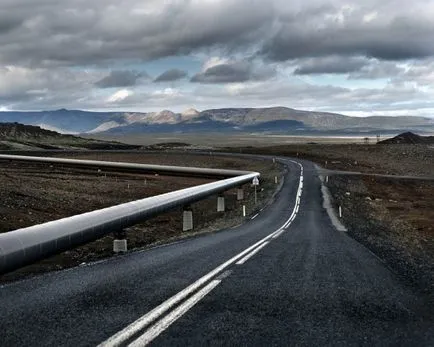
(132, 330)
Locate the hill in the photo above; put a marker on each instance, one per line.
(15, 136)
(272, 120)
(409, 138)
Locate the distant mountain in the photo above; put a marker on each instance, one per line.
(66, 121)
(16, 136)
(272, 120)
(409, 138)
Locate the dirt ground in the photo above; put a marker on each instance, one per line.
(417, 160)
(392, 217)
(36, 193)
(236, 140)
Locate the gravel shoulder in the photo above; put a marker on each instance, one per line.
(394, 219)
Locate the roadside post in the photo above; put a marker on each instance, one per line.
(255, 183)
(240, 194)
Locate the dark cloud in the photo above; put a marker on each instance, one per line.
(233, 72)
(223, 73)
(8, 22)
(330, 65)
(52, 51)
(73, 32)
(171, 75)
(120, 79)
(377, 69)
(401, 39)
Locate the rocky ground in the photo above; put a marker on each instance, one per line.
(417, 160)
(32, 194)
(393, 217)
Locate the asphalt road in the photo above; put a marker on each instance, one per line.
(283, 278)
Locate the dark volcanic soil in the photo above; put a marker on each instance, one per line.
(393, 218)
(32, 194)
(417, 160)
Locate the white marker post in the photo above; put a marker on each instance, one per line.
(255, 183)
(340, 211)
(244, 210)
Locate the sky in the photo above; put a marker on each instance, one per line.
(353, 57)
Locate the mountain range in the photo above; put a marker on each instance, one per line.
(16, 136)
(271, 120)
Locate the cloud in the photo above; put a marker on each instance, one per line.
(233, 72)
(71, 53)
(76, 33)
(120, 78)
(119, 96)
(25, 86)
(378, 69)
(171, 75)
(352, 30)
(330, 65)
(421, 73)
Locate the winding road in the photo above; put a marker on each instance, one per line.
(286, 277)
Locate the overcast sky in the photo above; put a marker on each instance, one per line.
(370, 57)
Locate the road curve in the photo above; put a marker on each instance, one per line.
(286, 277)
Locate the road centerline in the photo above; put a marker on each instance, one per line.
(252, 253)
(174, 315)
(134, 328)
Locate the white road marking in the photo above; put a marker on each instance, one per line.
(152, 315)
(252, 253)
(278, 234)
(296, 206)
(177, 313)
(256, 215)
(225, 274)
(141, 323)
